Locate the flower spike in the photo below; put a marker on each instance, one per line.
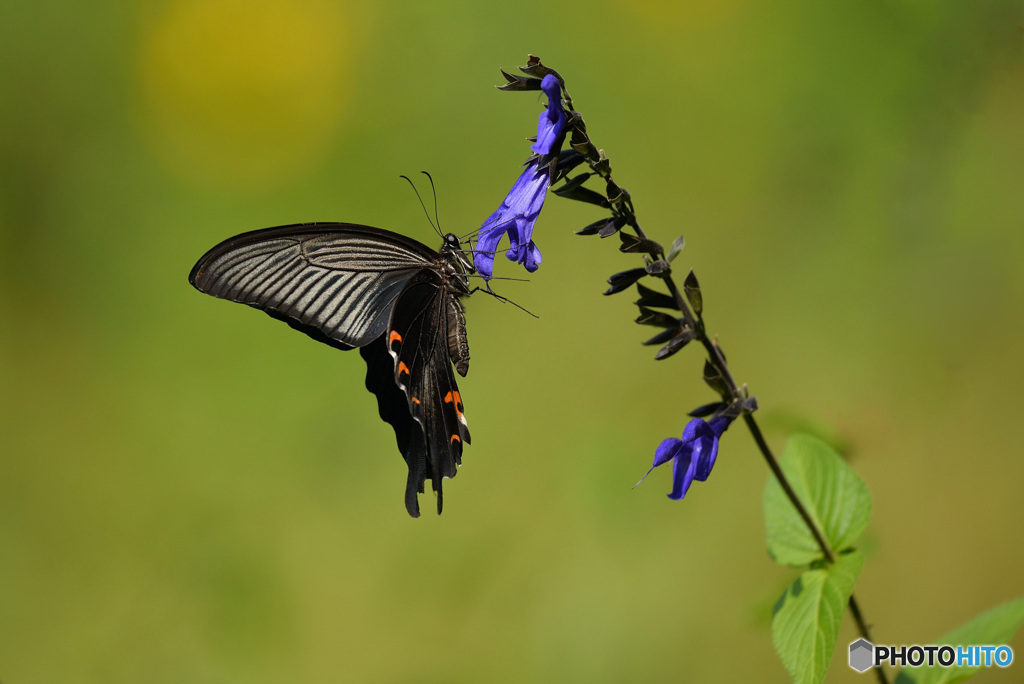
(519, 210)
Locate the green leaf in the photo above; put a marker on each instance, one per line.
(836, 499)
(676, 248)
(805, 623)
(997, 626)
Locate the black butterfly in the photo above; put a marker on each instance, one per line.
(396, 299)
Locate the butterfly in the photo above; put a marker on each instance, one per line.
(394, 298)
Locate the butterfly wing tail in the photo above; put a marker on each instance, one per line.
(416, 458)
(393, 407)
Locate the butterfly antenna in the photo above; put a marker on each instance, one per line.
(424, 206)
(433, 190)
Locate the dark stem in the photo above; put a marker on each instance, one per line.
(766, 451)
(718, 360)
(624, 209)
(862, 627)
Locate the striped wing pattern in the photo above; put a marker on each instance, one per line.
(335, 281)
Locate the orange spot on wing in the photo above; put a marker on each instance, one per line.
(456, 399)
(415, 400)
(394, 336)
(455, 438)
(402, 368)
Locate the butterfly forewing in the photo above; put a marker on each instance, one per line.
(331, 280)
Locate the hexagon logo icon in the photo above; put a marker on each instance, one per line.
(861, 655)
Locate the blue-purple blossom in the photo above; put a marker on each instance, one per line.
(552, 120)
(515, 216)
(519, 211)
(693, 456)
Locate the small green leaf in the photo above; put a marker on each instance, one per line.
(836, 499)
(996, 626)
(805, 622)
(676, 248)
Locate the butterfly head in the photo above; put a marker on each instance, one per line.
(454, 253)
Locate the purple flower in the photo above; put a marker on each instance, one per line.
(552, 120)
(521, 207)
(693, 456)
(515, 216)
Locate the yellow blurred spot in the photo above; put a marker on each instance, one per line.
(245, 92)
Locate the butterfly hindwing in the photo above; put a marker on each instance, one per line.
(393, 407)
(417, 339)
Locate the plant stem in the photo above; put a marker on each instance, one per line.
(623, 208)
(773, 464)
(862, 627)
(718, 360)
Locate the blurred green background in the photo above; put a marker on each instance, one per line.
(192, 492)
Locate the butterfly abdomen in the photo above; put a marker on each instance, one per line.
(458, 343)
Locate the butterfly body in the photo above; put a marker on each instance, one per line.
(398, 301)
